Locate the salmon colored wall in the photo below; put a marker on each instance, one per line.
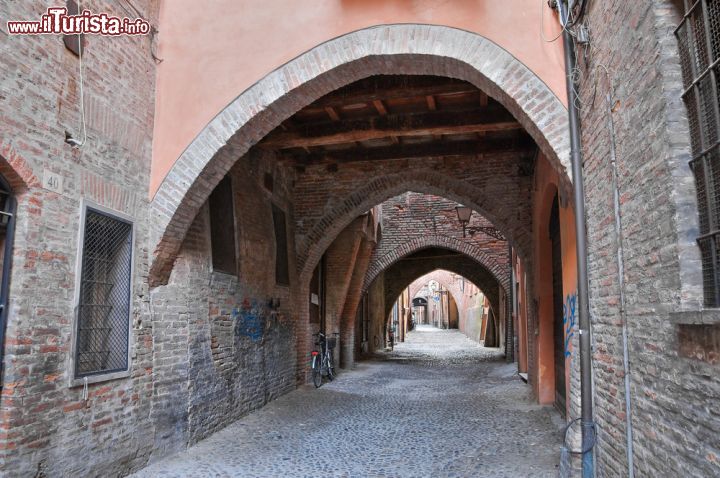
(546, 181)
(214, 50)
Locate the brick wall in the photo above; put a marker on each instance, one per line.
(328, 200)
(675, 427)
(45, 426)
(413, 221)
(225, 349)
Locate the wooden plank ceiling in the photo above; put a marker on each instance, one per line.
(397, 117)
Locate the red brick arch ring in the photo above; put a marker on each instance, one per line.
(409, 49)
(455, 292)
(401, 277)
(374, 191)
(501, 272)
(414, 289)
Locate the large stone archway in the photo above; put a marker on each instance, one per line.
(388, 49)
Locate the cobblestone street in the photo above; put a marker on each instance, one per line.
(438, 405)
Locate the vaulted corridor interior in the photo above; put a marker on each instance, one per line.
(504, 217)
(438, 405)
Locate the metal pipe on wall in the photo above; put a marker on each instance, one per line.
(621, 280)
(586, 421)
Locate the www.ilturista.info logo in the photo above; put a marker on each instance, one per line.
(57, 21)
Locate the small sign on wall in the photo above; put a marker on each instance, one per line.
(314, 299)
(52, 181)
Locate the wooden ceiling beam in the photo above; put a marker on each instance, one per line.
(366, 129)
(432, 106)
(523, 145)
(380, 107)
(332, 113)
(341, 98)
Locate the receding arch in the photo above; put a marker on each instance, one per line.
(377, 190)
(499, 271)
(397, 277)
(437, 275)
(409, 49)
(453, 291)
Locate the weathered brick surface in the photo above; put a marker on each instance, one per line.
(675, 427)
(354, 294)
(45, 424)
(414, 221)
(325, 203)
(225, 350)
(389, 49)
(340, 260)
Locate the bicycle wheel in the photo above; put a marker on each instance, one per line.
(330, 369)
(316, 375)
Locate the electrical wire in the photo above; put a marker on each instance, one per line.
(82, 93)
(581, 11)
(542, 24)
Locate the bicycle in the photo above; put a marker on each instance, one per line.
(322, 360)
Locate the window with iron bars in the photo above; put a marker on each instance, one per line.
(699, 41)
(103, 309)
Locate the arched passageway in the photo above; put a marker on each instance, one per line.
(350, 189)
(404, 49)
(272, 172)
(276, 222)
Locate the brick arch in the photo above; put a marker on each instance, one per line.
(438, 275)
(500, 272)
(377, 190)
(398, 277)
(16, 170)
(409, 49)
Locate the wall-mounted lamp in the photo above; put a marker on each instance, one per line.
(463, 213)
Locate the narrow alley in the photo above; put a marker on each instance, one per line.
(494, 221)
(438, 405)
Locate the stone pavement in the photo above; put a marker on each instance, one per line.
(439, 405)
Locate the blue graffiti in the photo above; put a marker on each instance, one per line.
(249, 320)
(569, 321)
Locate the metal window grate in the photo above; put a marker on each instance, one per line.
(104, 302)
(699, 41)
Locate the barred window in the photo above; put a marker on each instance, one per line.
(103, 312)
(699, 40)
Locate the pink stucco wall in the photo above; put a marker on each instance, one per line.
(214, 50)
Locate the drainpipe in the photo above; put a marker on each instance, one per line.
(586, 416)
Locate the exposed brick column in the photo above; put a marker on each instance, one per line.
(352, 301)
(340, 262)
